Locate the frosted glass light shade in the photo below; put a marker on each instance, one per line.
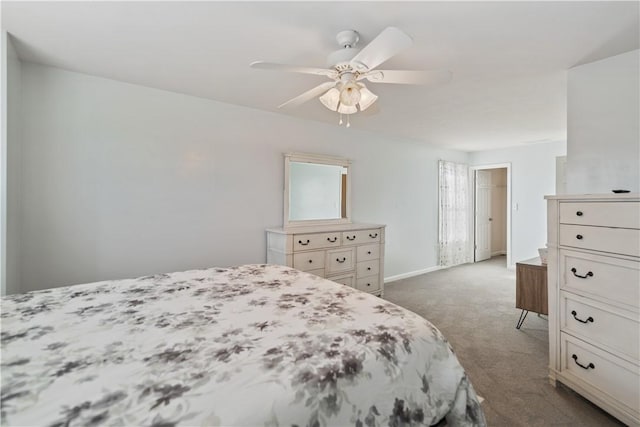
(350, 94)
(367, 98)
(347, 109)
(331, 99)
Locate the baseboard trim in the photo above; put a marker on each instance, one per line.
(496, 253)
(412, 274)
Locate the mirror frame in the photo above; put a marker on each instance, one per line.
(318, 159)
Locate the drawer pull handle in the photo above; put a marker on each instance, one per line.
(368, 252)
(579, 213)
(579, 236)
(303, 243)
(575, 273)
(373, 236)
(575, 316)
(368, 284)
(341, 260)
(368, 268)
(351, 238)
(590, 365)
(332, 241)
(310, 261)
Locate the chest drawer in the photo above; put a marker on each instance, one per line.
(612, 375)
(367, 252)
(623, 241)
(345, 279)
(606, 214)
(361, 236)
(367, 268)
(306, 261)
(368, 284)
(340, 260)
(305, 242)
(610, 279)
(601, 324)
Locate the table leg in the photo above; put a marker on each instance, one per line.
(523, 315)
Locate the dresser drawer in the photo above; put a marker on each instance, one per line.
(340, 260)
(614, 240)
(305, 242)
(610, 279)
(367, 268)
(367, 252)
(361, 236)
(306, 261)
(609, 374)
(368, 284)
(607, 214)
(345, 279)
(600, 324)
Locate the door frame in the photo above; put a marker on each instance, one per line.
(472, 171)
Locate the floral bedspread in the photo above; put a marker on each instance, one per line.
(255, 345)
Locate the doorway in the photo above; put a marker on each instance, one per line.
(492, 216)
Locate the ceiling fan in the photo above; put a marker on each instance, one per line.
(349, 66)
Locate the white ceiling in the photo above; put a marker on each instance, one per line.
(509, 59)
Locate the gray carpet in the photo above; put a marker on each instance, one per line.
(474, 307)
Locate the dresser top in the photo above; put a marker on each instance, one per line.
(624, 197)
(323, 228)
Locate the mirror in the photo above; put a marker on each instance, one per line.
(317, 190)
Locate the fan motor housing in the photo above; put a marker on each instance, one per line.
(347, 39)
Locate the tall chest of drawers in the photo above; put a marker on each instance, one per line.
(594, 299)
(351, 254)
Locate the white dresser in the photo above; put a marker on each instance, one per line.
(594, 299)
(351, 254)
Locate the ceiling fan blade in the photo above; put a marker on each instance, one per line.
(389, 42)
(293, 69)
(308, 95)
(409, 77)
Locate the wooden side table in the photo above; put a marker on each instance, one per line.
(531, 288)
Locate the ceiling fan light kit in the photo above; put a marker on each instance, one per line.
(348, 98)
(349, 65)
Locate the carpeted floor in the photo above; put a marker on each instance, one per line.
(474, 307)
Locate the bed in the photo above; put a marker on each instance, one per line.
(254, 345)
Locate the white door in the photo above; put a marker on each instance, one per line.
(483, 215)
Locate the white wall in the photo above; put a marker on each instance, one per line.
(603, 130)
(3, 161)
(14, 159)
(121, 180)
(11, 161)
(532, 177)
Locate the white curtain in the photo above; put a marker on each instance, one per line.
(454, 213)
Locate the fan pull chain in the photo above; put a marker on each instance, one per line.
(342, 121)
